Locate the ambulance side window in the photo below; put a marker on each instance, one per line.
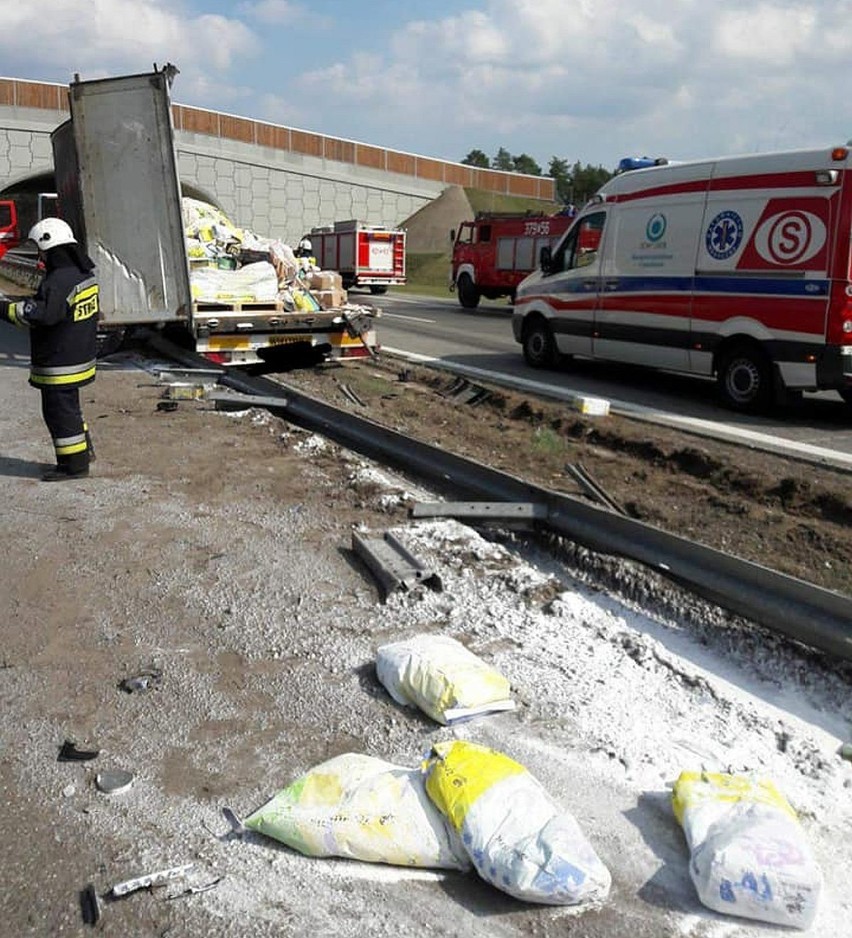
(580, 248)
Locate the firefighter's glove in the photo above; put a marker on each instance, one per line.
(16, 312)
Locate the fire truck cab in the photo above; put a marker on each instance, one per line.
(493, 253)
(10, 235)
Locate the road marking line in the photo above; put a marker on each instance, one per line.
(406, 318)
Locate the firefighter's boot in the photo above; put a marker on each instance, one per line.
(68, 468)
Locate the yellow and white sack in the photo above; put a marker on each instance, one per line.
(517, 836)
(362, 808)
(441, 677)
(748, 854)
(253, 282)
(205, 222)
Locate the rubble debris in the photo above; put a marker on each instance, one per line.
(149, 880)
(184, 391)
(443, 678)
(237, 826)
(145, 680)
(463, 391)
(68, 752)
(508, 512)
(114, 781)
(90, 905)
(392, 565)
(592, 488)
(350, 395)
(196, 888)
(590, 406)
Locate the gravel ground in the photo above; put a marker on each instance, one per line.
(216, 549)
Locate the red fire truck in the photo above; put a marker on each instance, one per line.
(10, 236)
(364, 255)
(493, 253)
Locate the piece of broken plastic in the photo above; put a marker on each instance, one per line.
(160, 878)
(90, 905)
(115, 781)
(145, 680)
(68, 752)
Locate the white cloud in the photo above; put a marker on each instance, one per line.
(768, 33)
(96, 37)
(566, 77)
(273, 11)
(587, 79)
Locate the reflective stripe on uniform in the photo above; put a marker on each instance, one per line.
(62, 375)
(68, 445)
(83, 300)
(15, 314)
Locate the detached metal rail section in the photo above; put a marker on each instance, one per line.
(806, 613)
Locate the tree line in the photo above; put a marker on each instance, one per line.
(575, 184)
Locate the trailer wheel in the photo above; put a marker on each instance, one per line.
(539, 345)
(468, 292)
(109, 341)
(377, 288)
(744, 379)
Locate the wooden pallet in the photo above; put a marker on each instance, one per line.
(237, 306)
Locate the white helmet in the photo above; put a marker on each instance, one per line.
(50, 233)
(305, 245)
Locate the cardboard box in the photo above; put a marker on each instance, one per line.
(330, 299)
(325, 280)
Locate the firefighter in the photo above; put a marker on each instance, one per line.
(305, 255)
(62, 323)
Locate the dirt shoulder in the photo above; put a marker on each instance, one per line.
(784, 514)
(215, 550)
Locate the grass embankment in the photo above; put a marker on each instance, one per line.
(427, 274)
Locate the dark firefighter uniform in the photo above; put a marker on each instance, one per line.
(62, 322)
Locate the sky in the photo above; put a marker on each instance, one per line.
(581, 80)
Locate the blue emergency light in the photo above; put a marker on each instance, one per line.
(639, 162)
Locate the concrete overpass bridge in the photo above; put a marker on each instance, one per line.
(276, 180)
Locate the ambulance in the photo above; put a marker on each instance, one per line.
(737, 268)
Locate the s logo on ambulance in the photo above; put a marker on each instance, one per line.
(791, 237)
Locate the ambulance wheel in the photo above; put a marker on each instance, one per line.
(378, 289)
(539, 345)
(468, 293)
(744, 378)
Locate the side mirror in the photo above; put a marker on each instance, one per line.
(453, 235)
(545, 260)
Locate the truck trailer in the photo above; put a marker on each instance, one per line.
(118, 186)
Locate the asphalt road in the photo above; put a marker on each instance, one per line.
(480, 342)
